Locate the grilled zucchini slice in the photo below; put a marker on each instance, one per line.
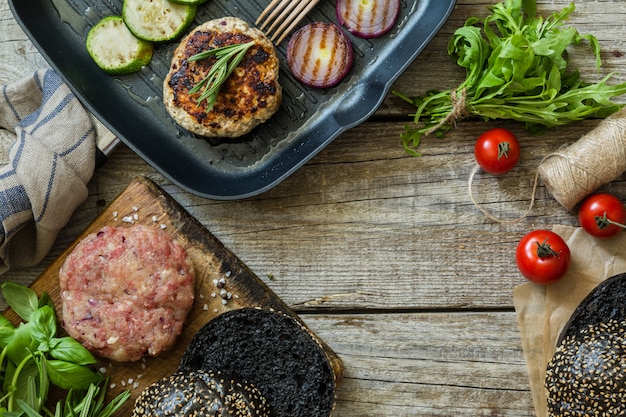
(191, 2)
(157, 20)
(115, 49)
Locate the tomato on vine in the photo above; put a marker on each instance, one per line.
(542, 256)
(497, 151)
(602, 215)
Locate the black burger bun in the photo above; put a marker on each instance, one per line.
(200, 393)
(586, 376)
(273, 352)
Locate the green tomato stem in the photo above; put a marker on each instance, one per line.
(544, 250)
(603, 222)
(503, 150)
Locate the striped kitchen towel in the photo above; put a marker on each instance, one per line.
(47, 156)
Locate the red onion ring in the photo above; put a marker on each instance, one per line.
(368, 18)
(319, 54)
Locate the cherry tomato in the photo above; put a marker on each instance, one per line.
(497, 151)
(602, 215)
(542, 256)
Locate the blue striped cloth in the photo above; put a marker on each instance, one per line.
(47, 157)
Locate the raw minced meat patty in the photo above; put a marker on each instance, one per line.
(126, 292)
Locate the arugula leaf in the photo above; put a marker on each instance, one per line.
(517, 68)
(530, 7)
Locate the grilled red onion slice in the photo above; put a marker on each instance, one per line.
(319, 54)
(368, 18)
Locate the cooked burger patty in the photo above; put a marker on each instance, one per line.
(250, 96)
(126, 292)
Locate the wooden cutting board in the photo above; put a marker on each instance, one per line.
(145, 202)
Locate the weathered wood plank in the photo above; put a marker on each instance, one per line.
(379, 228)
(18, 55)
(364, 228)
(462, 364)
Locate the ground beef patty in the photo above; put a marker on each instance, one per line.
(126, 292)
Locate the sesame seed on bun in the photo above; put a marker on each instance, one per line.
(200, 393)
(586, 376)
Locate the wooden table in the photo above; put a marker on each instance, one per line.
(383, 254)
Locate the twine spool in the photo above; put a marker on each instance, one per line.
(597, 158)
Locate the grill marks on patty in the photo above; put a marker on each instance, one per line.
(250, 96)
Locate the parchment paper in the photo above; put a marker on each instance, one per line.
(542, 311)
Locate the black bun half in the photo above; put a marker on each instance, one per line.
(587, 373)
(200, 393)
(272, 351)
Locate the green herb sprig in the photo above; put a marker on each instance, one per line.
(32, 357)
(83, 403)
(227, 58)
(516, 68)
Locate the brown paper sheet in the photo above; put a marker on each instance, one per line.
(543, 311)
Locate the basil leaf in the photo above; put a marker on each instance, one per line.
(69, 375)
(6, 331)
(21, 299)
(43, 324)
(70, 350)
(21, 344)
(45, 300)
(4, 322)
(27, 392)
(25, 387)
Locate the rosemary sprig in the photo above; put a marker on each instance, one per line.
(82, 403)
(227, 59)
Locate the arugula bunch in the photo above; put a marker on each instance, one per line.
(33, 357)
(516, 68)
